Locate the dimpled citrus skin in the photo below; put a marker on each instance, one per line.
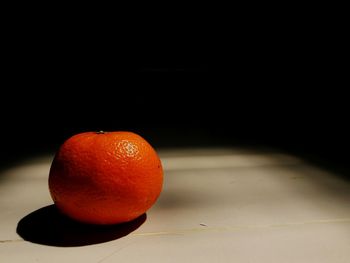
(105, 178)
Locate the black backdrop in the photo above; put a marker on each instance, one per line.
(177, 95)
(175, 111)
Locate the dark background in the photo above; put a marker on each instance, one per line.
(195, 110)
(253, 84)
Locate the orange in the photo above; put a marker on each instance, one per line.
(105, 177)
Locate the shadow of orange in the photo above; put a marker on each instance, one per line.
(47, 226)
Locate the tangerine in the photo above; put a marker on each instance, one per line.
(105, 177)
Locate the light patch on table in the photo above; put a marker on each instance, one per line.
(226, 161)
(216, 206)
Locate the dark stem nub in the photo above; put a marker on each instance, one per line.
(100, 132)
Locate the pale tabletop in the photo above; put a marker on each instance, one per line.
(217, 205)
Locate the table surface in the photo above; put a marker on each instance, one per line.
(217, 205)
